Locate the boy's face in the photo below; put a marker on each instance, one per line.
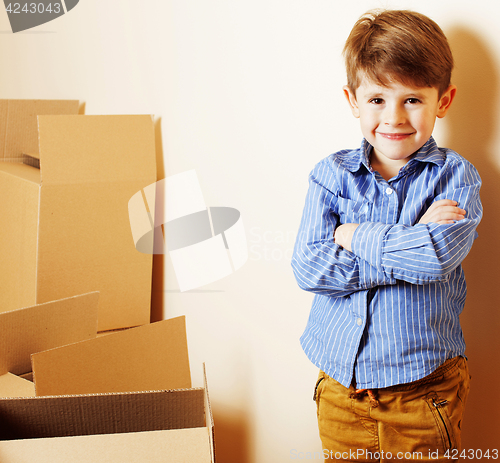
(397, 120)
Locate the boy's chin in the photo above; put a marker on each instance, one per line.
(393, 156)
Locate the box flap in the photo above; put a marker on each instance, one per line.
(96, 149)
(14, 386)
(77, 415)
(44, 326)
(18, 124)
(209, 417)
(150, 357)
(174, 446)
(21, 171)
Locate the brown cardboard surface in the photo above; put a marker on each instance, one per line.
(66, 227)
(18, 124)
(45, 326)
(175, 446)
(101, 149)
(81, 415)
(14, 386)
(90, 167)
(150, 357)
(18, 243)
(21, 171)
(84, 234)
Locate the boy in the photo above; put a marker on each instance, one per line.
(383, 234)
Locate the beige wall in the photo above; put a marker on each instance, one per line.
(473, 131)
(248, 93)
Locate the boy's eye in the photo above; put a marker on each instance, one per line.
(376, 100)
(413, 100)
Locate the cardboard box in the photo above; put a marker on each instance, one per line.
(163, 419)
(19, 125)
(65, 226)
(147, 358)
(43, 327)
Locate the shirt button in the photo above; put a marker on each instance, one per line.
(359, 322)
(389, 191)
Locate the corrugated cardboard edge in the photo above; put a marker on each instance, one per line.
(209, 419)
(91, 414)
(170, 445)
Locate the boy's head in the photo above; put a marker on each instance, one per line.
(398, 45)
(399, 67)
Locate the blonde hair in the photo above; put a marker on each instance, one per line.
(401, 45)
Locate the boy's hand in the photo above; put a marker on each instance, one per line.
(443, 212)
(343, 235)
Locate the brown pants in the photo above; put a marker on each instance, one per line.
(418, 421)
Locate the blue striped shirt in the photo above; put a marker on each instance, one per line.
(387, 312)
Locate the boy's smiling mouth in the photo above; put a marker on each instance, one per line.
(395, 135)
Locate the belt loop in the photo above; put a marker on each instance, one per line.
(371, 393)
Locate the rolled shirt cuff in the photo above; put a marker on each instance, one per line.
(368, 240)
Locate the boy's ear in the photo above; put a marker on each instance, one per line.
(351, 99)
(446, 100)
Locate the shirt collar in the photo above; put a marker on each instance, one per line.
(428, 153)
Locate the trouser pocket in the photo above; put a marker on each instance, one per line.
(317, 390)
(321, 378)
(438, 408)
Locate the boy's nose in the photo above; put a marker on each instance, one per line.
(394, 116)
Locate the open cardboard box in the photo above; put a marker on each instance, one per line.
(65, 220)
(125, 396)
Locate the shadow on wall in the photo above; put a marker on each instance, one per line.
(231, 428)
(473, 121)
(157, 289)
(231, 437)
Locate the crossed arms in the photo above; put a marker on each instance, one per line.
(337, 259)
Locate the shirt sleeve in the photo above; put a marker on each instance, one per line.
(320, 265)
(425, 253)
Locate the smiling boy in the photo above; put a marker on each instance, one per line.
(383, 234)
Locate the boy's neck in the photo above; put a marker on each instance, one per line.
(386, 168)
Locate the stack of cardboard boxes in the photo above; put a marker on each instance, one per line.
(84, 377)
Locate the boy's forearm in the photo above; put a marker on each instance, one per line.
(323, 267)
(442, 212)
(320, 265)
(431, 249)
(334, 272)
(419, 254)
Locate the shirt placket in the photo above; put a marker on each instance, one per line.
(391, 197)
(389, 202)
